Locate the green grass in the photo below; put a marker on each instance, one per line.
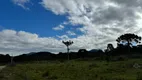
(74, 70)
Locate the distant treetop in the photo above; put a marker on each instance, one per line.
(129, 38)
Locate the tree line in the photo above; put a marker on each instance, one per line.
(127, 44)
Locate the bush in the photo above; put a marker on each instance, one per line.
(139, 76)
(121, 58)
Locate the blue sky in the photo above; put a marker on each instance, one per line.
(36, 20)
(41, 25)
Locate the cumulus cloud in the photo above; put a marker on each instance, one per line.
(21, 3)
(60, 27)
(18, 42)
(102, 21)
(63, 37)
(71, 33)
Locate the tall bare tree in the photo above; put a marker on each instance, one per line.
(68, 43)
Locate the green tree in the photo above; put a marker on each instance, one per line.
(129, 38)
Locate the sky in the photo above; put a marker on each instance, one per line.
(41, 25)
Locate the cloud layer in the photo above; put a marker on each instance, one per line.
(19, 42)
(13, 42)
(102, 20)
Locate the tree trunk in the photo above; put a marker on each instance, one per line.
(11, 59)
(68, 52)
(128, 46)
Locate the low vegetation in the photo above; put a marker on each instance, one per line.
(79, 69)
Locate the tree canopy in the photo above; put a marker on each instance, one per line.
(129, 38)
(67, 43)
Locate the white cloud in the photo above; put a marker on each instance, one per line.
(63, 37)
(71, 33)
(21, 3)
(18, 42)
(13, 42)
(102, 20)
(60, 27)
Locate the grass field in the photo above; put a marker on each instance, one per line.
(74, 70)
